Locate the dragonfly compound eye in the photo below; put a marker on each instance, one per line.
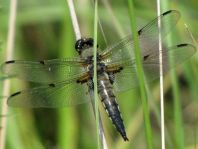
(83, 43)
(79, 45)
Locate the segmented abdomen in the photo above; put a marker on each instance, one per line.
(105, 91)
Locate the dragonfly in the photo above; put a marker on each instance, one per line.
(69, 81)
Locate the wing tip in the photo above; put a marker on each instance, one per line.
(182, 45)
(12, 102)
(175, 13)
(186, 45)
(3, 66)
(14, 94)
(167, 12)
(190, 48)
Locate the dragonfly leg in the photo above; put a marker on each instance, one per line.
(111, 77)
(90, 84)
(113, 69)
(84, 78)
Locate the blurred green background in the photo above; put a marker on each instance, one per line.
(44, 31)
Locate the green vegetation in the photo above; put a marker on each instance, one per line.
(95, 80)
(44, 31)
(141, 79)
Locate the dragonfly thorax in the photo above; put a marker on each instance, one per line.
(101, 67)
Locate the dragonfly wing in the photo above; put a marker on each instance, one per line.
(149, 35)
(119, 51)
(148, 38)
(128, 79)
(178, 54)
(66, 93)
(46, 71)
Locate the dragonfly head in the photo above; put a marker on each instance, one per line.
(83, 44)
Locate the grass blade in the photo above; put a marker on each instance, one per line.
(178, 124)
(95, 71)
(9, 53)
(161, 79)
(148, 131)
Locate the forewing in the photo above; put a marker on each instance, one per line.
(67, 93)
(46, 71)
(148, 38)
(149, 35)
(119, 51)
(128, 79)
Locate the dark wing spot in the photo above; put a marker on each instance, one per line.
(167, 12)
(146, 57)
(139, 32)
(9, 62)
(52, 85)
(15, 94)
(182, 45)
(121, 68)
(42, 62)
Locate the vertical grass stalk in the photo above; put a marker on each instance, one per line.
(140, 72)
(100, 133)
(67, 119)
(161, 79)
(6, 83)
(99, 127)
(178, 122)
(74, 19)
(95, 80)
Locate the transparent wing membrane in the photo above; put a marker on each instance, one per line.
(128, 79)
(148, 38)
(51, 96)
(46, 71)
(61, 75)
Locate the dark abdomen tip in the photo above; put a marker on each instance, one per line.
(125, 138)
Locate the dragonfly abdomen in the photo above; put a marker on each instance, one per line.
(108, 99)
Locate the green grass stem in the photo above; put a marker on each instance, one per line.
(140, 72)
(95, 71)
(67, 122)
(178, 123)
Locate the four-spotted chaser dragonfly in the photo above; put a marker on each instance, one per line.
(68, 81)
